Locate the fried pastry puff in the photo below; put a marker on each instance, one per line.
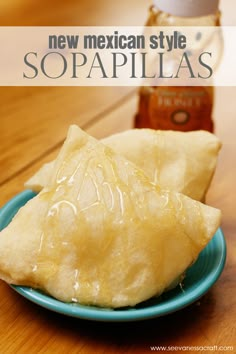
(101, 233)
(182, 162)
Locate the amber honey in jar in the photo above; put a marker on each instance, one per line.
(181, 108)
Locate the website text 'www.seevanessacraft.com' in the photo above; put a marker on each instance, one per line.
(213, 348)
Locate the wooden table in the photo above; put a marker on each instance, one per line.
(33, 125)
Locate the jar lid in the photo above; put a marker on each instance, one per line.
(188, 8)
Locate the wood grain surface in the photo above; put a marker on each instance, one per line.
(34, 122)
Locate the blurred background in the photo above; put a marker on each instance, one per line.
(86, 13)
(34, 120)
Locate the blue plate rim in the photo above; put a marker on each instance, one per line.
(117, 315)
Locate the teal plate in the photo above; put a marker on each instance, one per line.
(199, 279)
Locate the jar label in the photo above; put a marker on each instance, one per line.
(180, 108)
